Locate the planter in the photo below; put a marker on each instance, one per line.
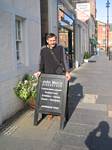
(32, 103)
(86, 56)
(26, 89)
(85, 60)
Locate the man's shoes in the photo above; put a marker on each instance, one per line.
(58, 118)
(49, 117)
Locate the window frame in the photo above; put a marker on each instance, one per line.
(19, 37)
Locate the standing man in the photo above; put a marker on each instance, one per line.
(52, 57)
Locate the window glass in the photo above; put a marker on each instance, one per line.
(18, 23)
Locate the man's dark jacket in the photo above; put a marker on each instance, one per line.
(48, 64)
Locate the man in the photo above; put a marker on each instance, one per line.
(51, 56)
(48, 62)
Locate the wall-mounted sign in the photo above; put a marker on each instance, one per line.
(52, 97)
(83, 11)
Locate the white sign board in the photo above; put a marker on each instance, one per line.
(83, 11)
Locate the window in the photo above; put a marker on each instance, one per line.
(19, 37)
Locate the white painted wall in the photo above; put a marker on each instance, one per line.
(10, 72)
(52, 16)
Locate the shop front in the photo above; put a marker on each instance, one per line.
(66, 34)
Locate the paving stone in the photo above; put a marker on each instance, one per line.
(109, 107)
(102, 99)
(87, 116)
(100, 107)
(58, 146)
(110, 114)
(78, 129)
(68, 139)
(68, 147)
(89, 98)
(14, 143)
(24, 128)
(55, 146)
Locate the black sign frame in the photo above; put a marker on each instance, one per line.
(52, 85)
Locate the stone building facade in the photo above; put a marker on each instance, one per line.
(20, 42)
(23, 26)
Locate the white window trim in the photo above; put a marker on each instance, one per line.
(19, 40)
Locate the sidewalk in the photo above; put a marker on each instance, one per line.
(91, 121)
(90, 102)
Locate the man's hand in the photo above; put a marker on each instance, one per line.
(68, 76)
(37, 74)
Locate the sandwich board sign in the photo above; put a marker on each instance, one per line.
(52, 97)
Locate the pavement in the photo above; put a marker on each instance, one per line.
(90, 115)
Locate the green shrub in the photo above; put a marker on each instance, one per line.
(26, 88)
(87, 55)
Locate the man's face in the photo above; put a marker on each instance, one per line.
(52, 42)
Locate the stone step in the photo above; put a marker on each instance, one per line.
(65, 139)
(79, 129)
(98, 138)
(87, 116)
(92, 106)
(68, 147)
(56, 146)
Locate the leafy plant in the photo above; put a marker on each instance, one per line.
(26, 88)
(93, 41)
(87, 55)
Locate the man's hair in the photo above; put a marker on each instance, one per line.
(50, 35)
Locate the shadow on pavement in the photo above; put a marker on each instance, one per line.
(74, 96)
(98, 139)
(92, 61)
(13, 118)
